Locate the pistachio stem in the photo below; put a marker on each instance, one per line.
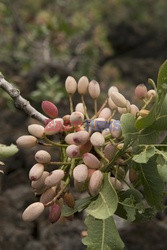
(112, 115)
(147, 102)
(101, 155)
(95, 106)
(58, 144)
(84, 106)
(59, 163)
(71, 103)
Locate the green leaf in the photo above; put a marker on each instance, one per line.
(7, 151)
(145, 155)
(106, 203)
(147, 215)
(162, 79)
(148, 136)
(152, 183)
(148, 120)
(128, 205)
(161, 120)
(80, 205)
(102, 235)
(131, 192)
(162, 170)
(162, 164)
(129, 131)
(162, 153)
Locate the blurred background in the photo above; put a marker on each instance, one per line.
(41, 43)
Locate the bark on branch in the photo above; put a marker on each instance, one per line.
(20, 102)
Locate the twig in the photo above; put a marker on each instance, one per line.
(20, 102)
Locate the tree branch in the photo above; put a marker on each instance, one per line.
(20, 102)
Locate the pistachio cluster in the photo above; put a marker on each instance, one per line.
(89, 147)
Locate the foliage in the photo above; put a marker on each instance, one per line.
(51, 89)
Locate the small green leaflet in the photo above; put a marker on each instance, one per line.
(130, 204)
(7, 151)
(102, 235)
(131, 208)
(106, 203)
(145, 155)
(80, 205)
